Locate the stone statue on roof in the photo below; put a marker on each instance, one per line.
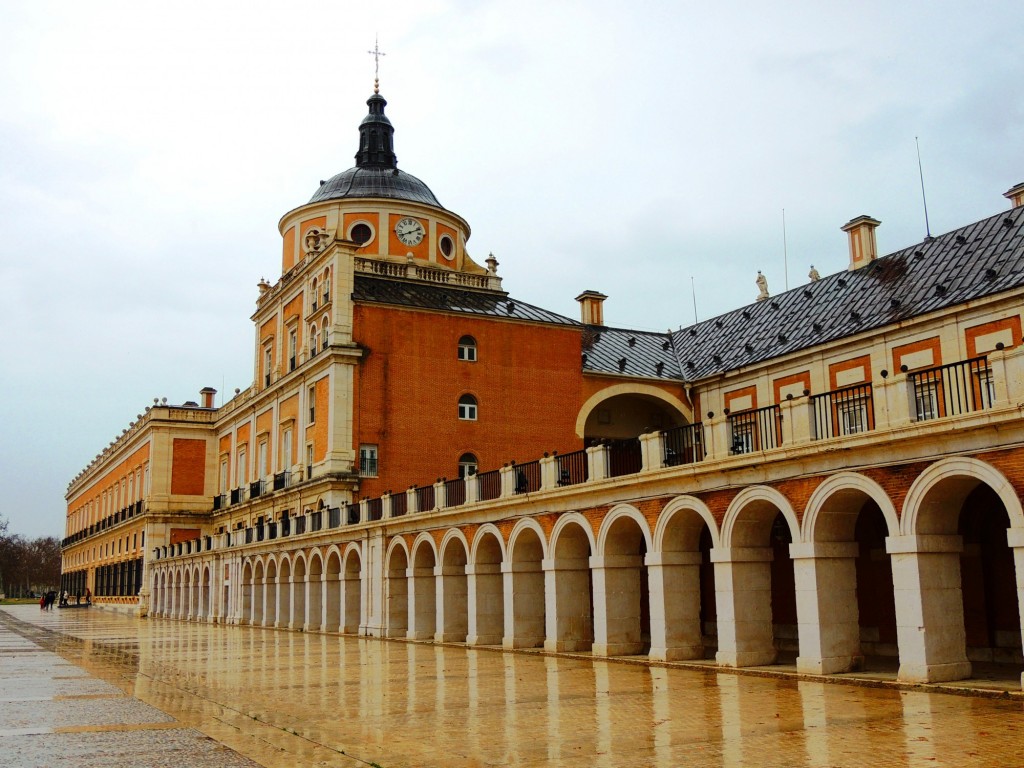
(762, 286)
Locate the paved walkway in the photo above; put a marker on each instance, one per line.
(105, 689)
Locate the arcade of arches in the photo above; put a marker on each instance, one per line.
(920, 563)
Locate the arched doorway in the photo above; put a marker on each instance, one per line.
(571, 623)
(352, 597)
(486, 591)
(332, 599)
(315, 594)
(397, 595)
(526, 554)
(422, 593)
(453, 592)
(622, 626)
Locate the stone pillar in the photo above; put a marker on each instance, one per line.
(1015, 539)
(524, 584)
(652, 451)
(716, 436)
(507, 476)
(412, 501)
(385, 507)
(673, 580)
(485, 597)
(929, 608)
(371, 584)
(826, 607)
(548, 473)
(472, 483)
(364, 512)
(440, 495)
(743, 597)
(617, 595)
(796, 421)
(598, 462)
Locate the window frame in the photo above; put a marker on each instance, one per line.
(467, 349)
(469, 408)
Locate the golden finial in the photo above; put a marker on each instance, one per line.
(376, 53)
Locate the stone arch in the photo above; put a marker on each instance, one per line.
(284, 590)
(453, 588)
(270, 592)
(847, 590)
(622, 616)
(252, 591)
(682, 577)
(205, 594)
(755, 498)
(683, 411)
(351, 589)
(314, 591)
(962, 520)
(396, 585)
(486, 592)
(570, 620)
(957, 476)
(845, 484)
(422, 590)
(755, 579)
(332, 589)
(526, 608)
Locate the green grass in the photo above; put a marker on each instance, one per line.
(20, 601)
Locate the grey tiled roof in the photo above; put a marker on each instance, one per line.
(978, 260)
(389, 183)
(407, 293)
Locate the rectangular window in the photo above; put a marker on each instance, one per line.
(264, 456)
(926, 400)
(311, 401)
(309, 461)
(293, 345)
(268, 358)
(224, 475)
(286, 450)
(368, 461)
(243, 469)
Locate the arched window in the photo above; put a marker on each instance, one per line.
(327, 285)
(467, 465)
(314, 294)
(467, 349)
(467, 408)
(314, 340)
(324, 325)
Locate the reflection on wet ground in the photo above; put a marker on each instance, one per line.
(286, 698)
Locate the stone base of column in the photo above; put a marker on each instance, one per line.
(617, 649)
(746, 658)
(567, 646)
(829, 666)
(678, 653)
(483, 640)
(522, 642)
(418, 635)
(934, 673)
(449, 637)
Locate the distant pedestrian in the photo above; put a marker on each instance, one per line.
(88, 596)
(42, 603)
(78, 597)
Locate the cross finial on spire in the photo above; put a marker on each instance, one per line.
(376, 53)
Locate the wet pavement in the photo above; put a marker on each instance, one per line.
(97, 688)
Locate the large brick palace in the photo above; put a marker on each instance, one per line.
(833, 472)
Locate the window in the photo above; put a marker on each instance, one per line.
(853, 416)
(467, 465)
(267, 361)
(315, 294)
(467, 349)
(367, 460)
(224, 475)
(311, 402)
(361, 234)
(314, 339)
(264, 459)
(324, 323)
(286, 449)
(293, 342)
(447, 246)
(926, 399)
(467, 408)
(243, 469)
(327, 286)
(309, 461)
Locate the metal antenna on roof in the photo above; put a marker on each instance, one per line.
(376, 53)
(785, 251)
(920, 171)
(693, 290)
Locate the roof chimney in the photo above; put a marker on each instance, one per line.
(863, 249)
(207, 394)
(591, 309)
(1015, 195)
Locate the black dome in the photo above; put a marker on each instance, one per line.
(376, 182)
(376, 172)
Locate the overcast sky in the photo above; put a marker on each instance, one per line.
(148, 150)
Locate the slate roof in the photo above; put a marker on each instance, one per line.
(407, 293)
(390, 183)
(978, 260)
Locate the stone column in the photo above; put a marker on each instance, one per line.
(796, 421)
(548, 473)
(372, 585)
(743, 597)
(411, 501)
(598, 462)
(673, 580)
(1015, 539)
(826, 606)
(472, 483)
(616, 581)
(652, 451)
(929, 607)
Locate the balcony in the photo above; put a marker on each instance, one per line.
(237, 495)
(282, 480)
(367, 466)
(257, 489)
(352, 514)
(683, 445)
(952, 390)
(759, 429)
(572, 468)
(842, 412)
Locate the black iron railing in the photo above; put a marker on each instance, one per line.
(952, 390)
(282, 480)
(759, 429)
(334, 517)
(375, 509)
(425, 498)
(527, 477)
(368, 466)
(572, 468)
(454, 492)
(683, 445)
(316, 521)
(489, 484)
(399, 504)
(352, 514)
(257, 488)
(846, 411)
(237, 495)
(300, 525)
(624, 457)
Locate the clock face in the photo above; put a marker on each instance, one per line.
(410, 231)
